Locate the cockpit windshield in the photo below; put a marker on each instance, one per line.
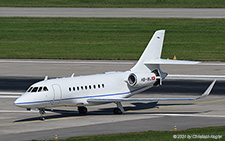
(37, 89)
(34, 89)
(29, 89)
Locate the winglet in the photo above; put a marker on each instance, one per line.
(208, 90)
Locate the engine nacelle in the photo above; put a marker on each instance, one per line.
(141, 79)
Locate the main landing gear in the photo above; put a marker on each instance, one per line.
(42, 112)
(82, 110)
(119, 110)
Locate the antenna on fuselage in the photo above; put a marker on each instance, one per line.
(46, 78)
(73, 75)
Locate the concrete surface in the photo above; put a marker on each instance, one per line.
(114, 12)
(19, 124)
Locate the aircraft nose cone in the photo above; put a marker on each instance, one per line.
(17, 102)
(20, 102)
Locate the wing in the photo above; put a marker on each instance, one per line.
(116, 100)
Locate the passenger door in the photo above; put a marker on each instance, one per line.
(57, 94)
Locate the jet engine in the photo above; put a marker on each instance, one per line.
(141, 79)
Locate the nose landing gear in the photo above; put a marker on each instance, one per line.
(42, 112)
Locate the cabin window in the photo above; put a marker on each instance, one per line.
(86, 87)
(34, 89)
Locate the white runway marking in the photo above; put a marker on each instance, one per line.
(10, 93)
(67, 62)
(9, 96)
(196, 77)
(173, 115)
(189, 115)
(13, 111)
(211, 64)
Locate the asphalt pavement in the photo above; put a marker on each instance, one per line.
(113, 12)
(19, 124)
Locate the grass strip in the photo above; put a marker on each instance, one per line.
(206, 134)
(116, 3)
(110, 38)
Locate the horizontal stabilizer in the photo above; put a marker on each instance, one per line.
(164, 61)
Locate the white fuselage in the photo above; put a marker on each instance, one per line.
(74, 91)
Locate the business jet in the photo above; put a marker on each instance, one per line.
(110, 87)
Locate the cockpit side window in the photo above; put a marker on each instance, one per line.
(29, 90)
(45, 88)
(34, 89)
(40, 89)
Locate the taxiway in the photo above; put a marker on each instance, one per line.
(114, 12)
(19, 124)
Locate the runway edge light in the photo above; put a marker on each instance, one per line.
(56, 137)
(175, 128)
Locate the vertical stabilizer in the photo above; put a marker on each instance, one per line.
(152, 52)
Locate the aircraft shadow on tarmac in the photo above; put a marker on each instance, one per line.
(109, 111)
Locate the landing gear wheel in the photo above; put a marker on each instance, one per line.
(82, 110)
(117, 111)
(42, 118)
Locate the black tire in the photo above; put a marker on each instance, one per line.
(117, 111)
(42, 118)
(82, 110)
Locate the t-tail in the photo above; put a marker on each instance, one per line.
(150, 60)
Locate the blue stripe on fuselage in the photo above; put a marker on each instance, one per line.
(46, 101)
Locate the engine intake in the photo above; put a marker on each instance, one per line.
(141, 79)
(132, 79)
